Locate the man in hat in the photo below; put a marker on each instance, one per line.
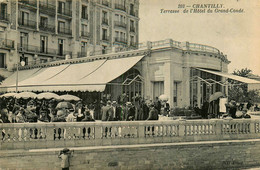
(65, 155)
(153, 114)
(116, 111)
(129, 112)
(107, 112)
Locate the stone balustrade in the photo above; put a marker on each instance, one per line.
(78, 134)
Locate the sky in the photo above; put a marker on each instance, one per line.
(235, 34)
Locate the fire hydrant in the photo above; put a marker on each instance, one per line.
(65, 156)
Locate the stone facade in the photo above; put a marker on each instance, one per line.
(50, 30)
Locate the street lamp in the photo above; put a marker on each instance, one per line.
(22, 62)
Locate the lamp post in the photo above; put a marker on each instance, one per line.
(22, 62)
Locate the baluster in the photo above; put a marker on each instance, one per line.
(146, 131)
(88, 132)
(175, 130)
(79, 132)
(92, 132)
(83, 134)
(113, 131)
(166, 130)
(120, 131)
(207, 129)
(74, 132)
(26, 135)
(104, 129)
(9, 135)
(116, 131)
(15, 134)
(192, 129)
(203, 129)
(59, 133)
(67, 134)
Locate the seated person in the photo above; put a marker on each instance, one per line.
(43, 117)
(61, 116)
(87, 117)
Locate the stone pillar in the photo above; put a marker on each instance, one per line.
(186, 87)
(75, 44)
(17, 15)
(73, 21)
(56, 18)
(37, 16)
(168, 82)
(199, 92)
(147, 89)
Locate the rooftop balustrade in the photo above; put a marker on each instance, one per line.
(49, 135)
(205, 48)
(145, 47)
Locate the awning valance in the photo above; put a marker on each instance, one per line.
(89, 76)
(231, 76)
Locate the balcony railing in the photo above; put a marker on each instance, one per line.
(32, 3)
(65, 11)
(6, 44)
(47, 27)
(82, 134)
(85, 34)
(105, 3)
(46, 7)
(120, 24)
(84, 17)
(133, 13)
(105, 38)
(121, 40)
(39, 50)
(120, 7)
(4, 16)
(105, 21)
(132, 29)
(64, 31)
(27, 23)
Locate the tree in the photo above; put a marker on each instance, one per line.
(243, 72)
(240, 93)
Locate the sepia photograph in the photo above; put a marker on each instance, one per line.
(129, 84)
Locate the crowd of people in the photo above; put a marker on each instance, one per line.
(222, 108)
(34, 110)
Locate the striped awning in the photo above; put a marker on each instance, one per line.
(88, 76)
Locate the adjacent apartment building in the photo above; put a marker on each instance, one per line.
(44, 30)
